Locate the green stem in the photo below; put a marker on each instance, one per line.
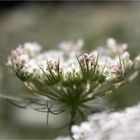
(72, 120)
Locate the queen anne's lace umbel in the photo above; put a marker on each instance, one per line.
(70, 77)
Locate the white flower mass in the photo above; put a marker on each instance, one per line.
(71, 78)
(112, 126)
(113, 61)
(124, 125)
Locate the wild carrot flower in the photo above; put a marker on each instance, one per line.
(71, 78)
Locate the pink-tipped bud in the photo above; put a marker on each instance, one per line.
(87, 58)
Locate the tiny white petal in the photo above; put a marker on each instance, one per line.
(111, 43)
(125, 56)
(137, 62)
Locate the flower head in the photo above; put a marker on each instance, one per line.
(69, 77)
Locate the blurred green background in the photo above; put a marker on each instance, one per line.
(49, 23)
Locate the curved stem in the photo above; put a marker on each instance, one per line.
(81, 114)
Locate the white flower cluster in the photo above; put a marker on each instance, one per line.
(27, 61)
(21, 59)
(111, 63)
(72, 77)
(123, 125)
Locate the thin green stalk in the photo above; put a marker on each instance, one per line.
(72, 120)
